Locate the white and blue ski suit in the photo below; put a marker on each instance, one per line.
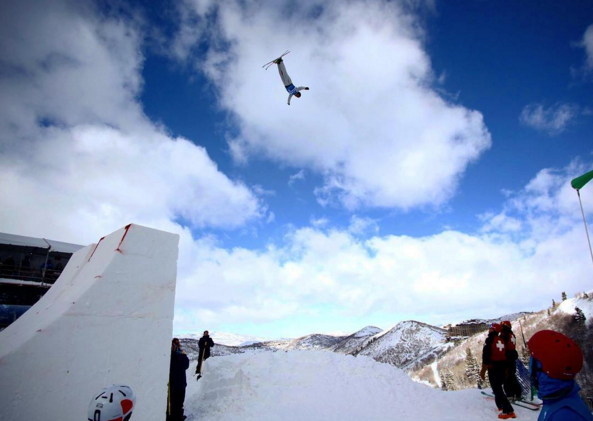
(290, 88)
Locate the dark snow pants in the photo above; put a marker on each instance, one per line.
(175, 408)
(497, 377)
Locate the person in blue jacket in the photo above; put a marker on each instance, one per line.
(177, 382)
(555, 361)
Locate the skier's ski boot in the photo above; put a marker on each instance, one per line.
(278, 60)
(504, 416)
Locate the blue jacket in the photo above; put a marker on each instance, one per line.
(560, 397)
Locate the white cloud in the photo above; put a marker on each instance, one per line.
(371, 124)
(527, 254)
(588, 45)
(552, 120)
(78, 157)
(362, 226)
(294, 177)
(319, 222)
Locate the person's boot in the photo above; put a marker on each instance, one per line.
(504, 416)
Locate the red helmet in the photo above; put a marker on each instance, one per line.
(560, 356)
(507, 324)
(495, 326)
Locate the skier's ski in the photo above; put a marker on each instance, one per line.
(523, 404)
(268, 65)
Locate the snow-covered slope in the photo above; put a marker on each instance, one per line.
(584, 302)
(314, 341)
(354, 342)
(406, 344)
(324, 386)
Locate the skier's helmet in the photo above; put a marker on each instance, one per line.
(298, 94)
(560, 356)
(507, 324)
(495, 327)
(114, 403)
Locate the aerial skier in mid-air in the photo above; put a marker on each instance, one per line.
(292, 90)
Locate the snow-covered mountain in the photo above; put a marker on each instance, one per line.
(351, 344)
(223, 338)
(406, 344)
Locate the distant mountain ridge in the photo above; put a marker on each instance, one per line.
(409, 345)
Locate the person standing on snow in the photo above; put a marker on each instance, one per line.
(555, 361)
(292, 90)
(512, 387)
(177, 382)
(205, 343)
(494, 360)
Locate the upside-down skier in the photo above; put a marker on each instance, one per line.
(292, 90)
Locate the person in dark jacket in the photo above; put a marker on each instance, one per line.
(177, 382)
(555, 361)
(494, 360)
(512, 387)
(205, 343)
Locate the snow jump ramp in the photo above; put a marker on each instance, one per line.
(107, 320)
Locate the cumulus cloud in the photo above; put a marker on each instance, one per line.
(552, 120)
(295, 177)
(372, 124)
(586, 43)
(588, 46)
(526, 254)
(78, 157)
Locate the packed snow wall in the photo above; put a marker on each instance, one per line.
(107, 320)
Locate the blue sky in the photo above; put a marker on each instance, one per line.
(424, 175)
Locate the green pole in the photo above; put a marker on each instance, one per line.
(585, 222)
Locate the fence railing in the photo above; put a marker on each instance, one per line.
(47, 276)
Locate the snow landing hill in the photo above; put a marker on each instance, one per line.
(324, 386)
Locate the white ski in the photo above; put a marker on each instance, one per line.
(268, 65)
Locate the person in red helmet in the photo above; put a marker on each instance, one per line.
(494, 360)
(555, 361)
(511, 385)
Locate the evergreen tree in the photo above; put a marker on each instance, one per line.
(553, 304)
(548, 312)
(443, 382)
(472, 368)
(564, 296)
(585, 295)
(579, 316)
(449, 380)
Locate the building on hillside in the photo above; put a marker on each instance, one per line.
(28, 268)
(465, 329)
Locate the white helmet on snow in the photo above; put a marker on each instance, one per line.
(114, 403)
